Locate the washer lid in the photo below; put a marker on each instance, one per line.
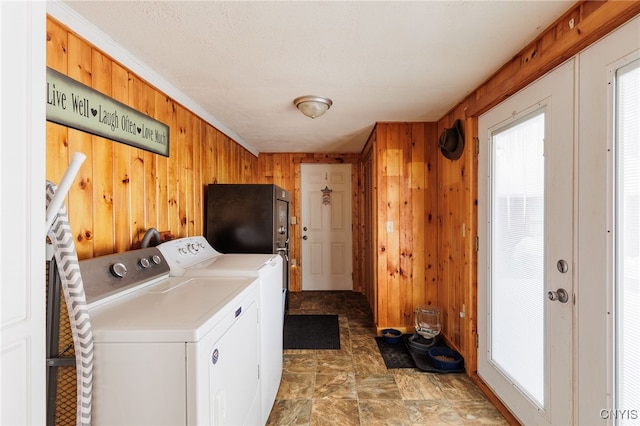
(173, 310)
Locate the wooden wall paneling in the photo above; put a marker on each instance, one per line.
(102, 167)
(222, 142)
(384, 251)
(420, 243)
(173, 173)
(57, 135)
(138, 100)
(356, 208)
(451, 206)
(265, 168)
(183, 160)
(457, 229)
(295, 249)
(469, 322)
(121, 168)
(149, 159)
(430, 214)
(57, 147)
(165, 114)
(407, 241)
(249, 162)
(368, 224)
(198, 178)
(190, 185)
(208, 155)
(232, 160)
(382, 302)
(80, 194)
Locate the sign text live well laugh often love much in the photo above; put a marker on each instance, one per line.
(75, 105)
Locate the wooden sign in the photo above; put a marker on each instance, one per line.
(76, 105)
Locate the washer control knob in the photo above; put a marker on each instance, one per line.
(193, 248)
(144, 262)
(156, 259)
(182, 250)
(118, 270)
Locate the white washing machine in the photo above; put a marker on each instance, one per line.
(171, 350)
(195, 257)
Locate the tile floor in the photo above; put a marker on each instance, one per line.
(352, 386)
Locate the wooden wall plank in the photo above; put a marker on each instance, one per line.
(81, 192)
(141, 99)
(164, 114)
(417, 185)
(121, 168)
(103, 230)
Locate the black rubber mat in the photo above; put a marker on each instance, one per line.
(395, 355)
(311, 332)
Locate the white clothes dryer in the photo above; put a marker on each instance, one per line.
(195, 257)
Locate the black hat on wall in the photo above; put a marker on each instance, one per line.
(452, 141)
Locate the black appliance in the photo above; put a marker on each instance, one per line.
(249, 218)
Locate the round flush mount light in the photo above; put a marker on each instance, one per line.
(312, 106)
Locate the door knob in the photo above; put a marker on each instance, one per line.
(304, 237)
(560, 295)
(304, 229)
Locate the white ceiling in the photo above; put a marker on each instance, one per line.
(244, 62)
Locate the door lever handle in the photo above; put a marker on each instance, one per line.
(560, 295)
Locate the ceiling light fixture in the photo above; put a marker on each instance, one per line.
(312, 106)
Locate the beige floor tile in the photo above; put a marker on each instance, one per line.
(335, 386)
(369, 363)
(290, 413)
(335, 412)
(432, 412)
(417, 386)
(383, 412)
(330, 363)
(458, 387)
(377, 386)
(305, 363)
(296, 386)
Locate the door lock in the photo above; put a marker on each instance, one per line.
(560, 295)
(563, 266)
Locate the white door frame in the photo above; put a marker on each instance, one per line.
(22, 212)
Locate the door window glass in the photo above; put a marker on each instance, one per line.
(517, 253)
(628, 243)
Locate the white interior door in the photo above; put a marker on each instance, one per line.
(526, 252)
(326, 227)
(608, 335)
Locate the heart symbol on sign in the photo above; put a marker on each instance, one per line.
(139, 129)
(94, 111)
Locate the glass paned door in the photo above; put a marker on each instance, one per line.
(525, 224)
(627, 246)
